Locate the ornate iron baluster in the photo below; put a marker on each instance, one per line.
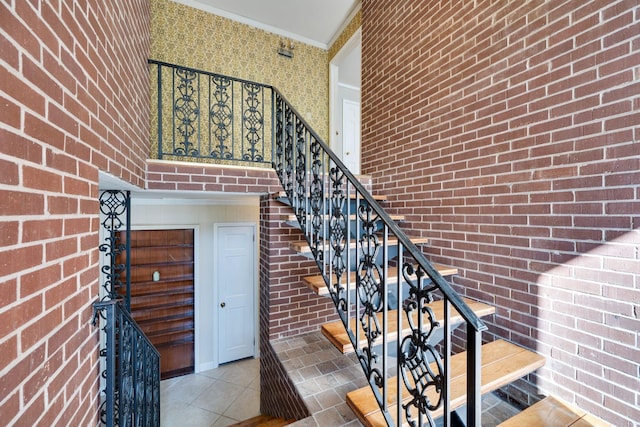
(288, 151)
(370, 278)
(316, 203)
(221, 117)
(233, 114)
(338, 239)
(125, 369)
(253, 122)
(152, 386)
(301, 175)
(419, 361)
(131, 364)
(132, 372)
(114, 205)
(186, 112)
(278, 160)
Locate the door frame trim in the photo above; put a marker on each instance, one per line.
(256, 290)
(334, 71)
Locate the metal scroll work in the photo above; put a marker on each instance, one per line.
(186, 113)
(130, 364)
(370, 291)
(212, 118)
(389, 313)
(221, 117)
(131, 374)
(114, 207)
(419, 361)
(253, 122)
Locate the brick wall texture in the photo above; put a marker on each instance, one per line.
(508, 133)
(74, 99)
(290, 307)
(182, 176)
(505, 131)
(287, 307)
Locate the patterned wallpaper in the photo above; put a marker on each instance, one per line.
(353, 26)
(194, 38)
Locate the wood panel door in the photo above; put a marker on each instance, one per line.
(162, 295)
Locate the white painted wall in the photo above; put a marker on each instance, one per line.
(157, 213)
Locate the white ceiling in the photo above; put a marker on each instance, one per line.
(313, 22)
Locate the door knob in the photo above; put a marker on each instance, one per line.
(222, 304)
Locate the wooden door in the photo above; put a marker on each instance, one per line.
(162, 295)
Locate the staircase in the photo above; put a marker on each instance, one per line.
(501, 362)
(418, 342)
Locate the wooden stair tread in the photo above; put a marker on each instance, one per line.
(317, 284)
(377, 197)
(552, 412)
(302, 246)
(502, 363)
(292, 217)
(263, 421)
(337, 335)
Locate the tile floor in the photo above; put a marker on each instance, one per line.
(216, 398)
(231, 393)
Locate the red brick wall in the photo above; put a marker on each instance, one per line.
(507, 132)
(282, 297)
(287, 306)
(166, 175)
(74, 99)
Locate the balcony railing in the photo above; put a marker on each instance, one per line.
(209, 117)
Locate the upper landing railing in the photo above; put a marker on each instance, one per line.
(207, 117)
(380, 282)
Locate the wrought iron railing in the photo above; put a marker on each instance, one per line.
(131, 370)
(130, 363)
(359, 237)
(393, 280)
(210, 117)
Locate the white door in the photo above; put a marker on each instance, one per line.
(351, 135)
(236, 283)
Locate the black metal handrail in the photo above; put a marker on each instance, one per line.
(372, 245)
(131, 370)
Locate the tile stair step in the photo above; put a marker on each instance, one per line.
(263, 421)
(337, 335)
(502, 363)
(317, 284)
